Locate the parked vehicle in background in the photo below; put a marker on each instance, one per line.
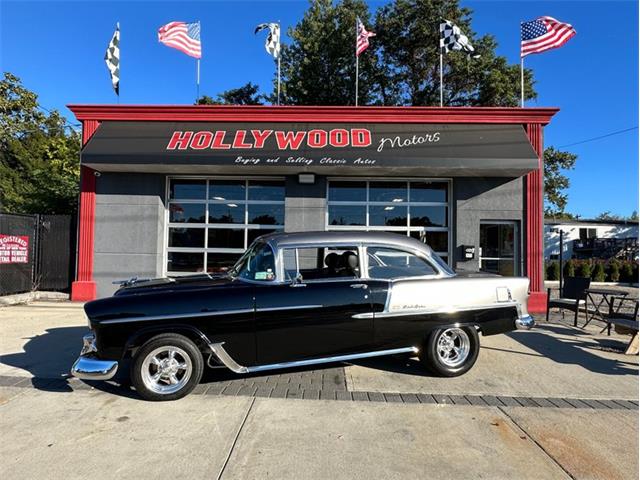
(297, 299)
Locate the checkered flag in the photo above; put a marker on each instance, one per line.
(272, 43)
(112, 59)
(451, 38)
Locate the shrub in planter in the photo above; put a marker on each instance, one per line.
(553, 271)
(584, 270)
(614, 271)
(569, 269)
(598, 272)
(627, 272)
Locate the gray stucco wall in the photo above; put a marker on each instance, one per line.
(129, 235)
(484, 199)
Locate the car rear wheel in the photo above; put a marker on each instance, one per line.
(451, 351)
(167, 367)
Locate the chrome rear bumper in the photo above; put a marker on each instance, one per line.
(525, 323)
(88, 366)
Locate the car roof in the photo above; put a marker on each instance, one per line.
(281, 240)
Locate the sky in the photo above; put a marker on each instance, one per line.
(57, 49)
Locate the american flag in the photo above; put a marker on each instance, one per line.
(543, 33)
(362, 37)
(182, 36)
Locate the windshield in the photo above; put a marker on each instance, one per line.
(257, 263)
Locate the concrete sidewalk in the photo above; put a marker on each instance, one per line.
(53, 427)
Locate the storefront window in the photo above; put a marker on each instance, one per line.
(213, 221)
(418, 208)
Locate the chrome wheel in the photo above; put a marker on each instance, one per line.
(166, 369)
(453, 347)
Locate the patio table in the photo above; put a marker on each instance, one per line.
(607, 296)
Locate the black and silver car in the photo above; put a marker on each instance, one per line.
(297, 299)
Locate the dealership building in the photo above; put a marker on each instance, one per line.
(172, 190)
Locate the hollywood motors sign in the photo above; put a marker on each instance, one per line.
(256, 139)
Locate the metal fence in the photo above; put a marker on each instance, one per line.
(37, 252)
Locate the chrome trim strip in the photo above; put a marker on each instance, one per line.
(231, 364)
(219, 351)
(292, 307)
(403, 313)
(177, 316)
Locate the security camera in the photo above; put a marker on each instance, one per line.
(96, 173)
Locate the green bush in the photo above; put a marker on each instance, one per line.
(569, 269)
(584, 269)
(627, 272)
(598, 272)
(614, 271)
(553, 271)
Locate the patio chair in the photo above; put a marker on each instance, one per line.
(625, 318)
(572, 297)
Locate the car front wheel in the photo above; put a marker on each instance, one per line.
(167, 367)
(451, 351)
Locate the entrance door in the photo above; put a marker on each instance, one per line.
(499, 248)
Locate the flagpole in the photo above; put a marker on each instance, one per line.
(197, 80)
(357, 62)
(279, 36)
(522, 81)
(441, 89)
(521, 71)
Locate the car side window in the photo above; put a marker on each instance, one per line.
(389, 263)
(321, 263)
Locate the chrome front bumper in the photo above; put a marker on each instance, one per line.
(525, 323)
(88, 366)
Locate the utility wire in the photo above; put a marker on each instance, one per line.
(598, 138)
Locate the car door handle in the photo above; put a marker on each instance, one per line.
(359, 285)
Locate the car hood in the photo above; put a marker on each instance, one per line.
(188, 282)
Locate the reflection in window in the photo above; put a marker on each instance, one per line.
(185, 261)
(388, 192)
(390, 216)
(347, 191)
(347, 215)
(266, 214)
(186, 212)
(422, 216)
(188, 189)
(226, 213)
(186, 237)
(225, 190)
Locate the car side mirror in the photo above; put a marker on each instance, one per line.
(297, 281)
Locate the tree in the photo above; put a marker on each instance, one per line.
(245, 95)
(555, 182)
(39, 154)
(409, 46)
(401, 66)
(318, 67)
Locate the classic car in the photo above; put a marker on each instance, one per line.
(297, 299)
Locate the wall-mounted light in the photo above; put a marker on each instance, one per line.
(306, 178)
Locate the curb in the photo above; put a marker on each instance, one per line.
(28, 297)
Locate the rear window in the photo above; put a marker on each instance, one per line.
(389, 263)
